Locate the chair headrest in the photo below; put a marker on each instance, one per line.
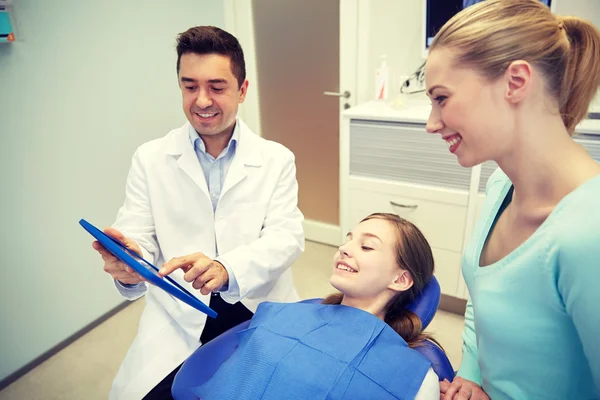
(425, 305)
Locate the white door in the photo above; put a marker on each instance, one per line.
(296, 51)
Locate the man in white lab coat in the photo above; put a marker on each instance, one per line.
(213, 202)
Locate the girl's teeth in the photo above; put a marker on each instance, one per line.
(344, 268)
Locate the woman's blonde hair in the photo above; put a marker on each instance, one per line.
(488, 36)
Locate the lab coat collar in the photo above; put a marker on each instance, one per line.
(248, 154)
(248, 145)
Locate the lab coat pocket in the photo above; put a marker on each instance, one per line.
(246, 221)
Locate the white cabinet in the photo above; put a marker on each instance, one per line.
(442, 223)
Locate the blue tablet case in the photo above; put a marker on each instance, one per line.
(131, 259)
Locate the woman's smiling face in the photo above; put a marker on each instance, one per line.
(468, 111)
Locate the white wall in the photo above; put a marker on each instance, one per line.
(84, 85)
(239, 22)
(588, 9)
(394, 29)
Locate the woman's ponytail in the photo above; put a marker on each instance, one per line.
(581, 78)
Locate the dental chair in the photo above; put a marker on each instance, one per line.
(205, 361)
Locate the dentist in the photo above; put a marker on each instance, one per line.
(212, 203)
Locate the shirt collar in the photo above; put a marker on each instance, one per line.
(198, 143)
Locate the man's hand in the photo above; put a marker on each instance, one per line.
(461, 389)
(115, 267)
(206, 274)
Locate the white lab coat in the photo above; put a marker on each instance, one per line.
(168, 211)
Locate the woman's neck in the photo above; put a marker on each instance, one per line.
(545, 165)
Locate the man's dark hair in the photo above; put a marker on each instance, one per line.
(211, 40)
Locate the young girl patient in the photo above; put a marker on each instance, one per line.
(357, 344)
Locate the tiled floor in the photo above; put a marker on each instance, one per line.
(85, 369)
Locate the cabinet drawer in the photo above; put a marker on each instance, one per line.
(447, 270)
(403, 152)
(442, 224)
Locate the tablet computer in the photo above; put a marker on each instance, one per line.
(140, 266)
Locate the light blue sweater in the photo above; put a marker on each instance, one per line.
(532, 326)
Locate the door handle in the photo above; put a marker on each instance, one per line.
(345, 95)
(410, 206)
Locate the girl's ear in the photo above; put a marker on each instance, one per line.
(402, 282)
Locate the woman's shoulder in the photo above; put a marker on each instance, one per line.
(578, 213)
(576, 225)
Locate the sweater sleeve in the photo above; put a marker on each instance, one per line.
(578, 284)
(469, 367)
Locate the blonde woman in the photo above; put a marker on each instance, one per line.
(509, 81)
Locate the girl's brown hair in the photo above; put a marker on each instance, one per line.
(488, 36)
(413, 254)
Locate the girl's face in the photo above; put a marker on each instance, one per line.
(365, 265)
(468, 111)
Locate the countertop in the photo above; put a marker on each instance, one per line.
(417, 112)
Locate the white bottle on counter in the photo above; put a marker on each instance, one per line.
(382, 80)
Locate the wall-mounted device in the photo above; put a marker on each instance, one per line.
(437, 12)
(7, 33)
